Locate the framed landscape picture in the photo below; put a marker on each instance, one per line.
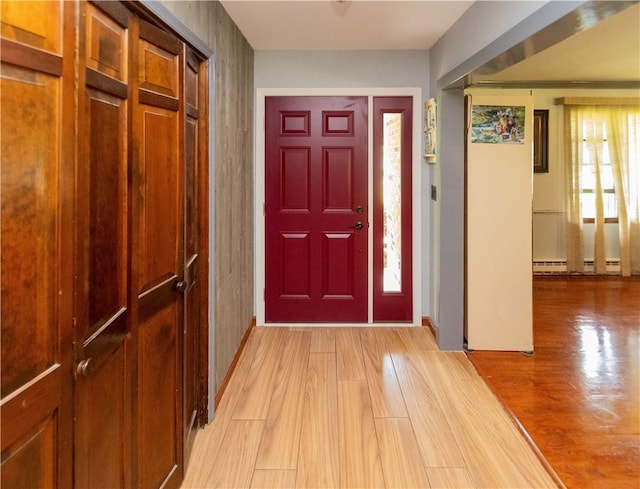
(497, 124)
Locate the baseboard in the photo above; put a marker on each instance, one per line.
(426, 322)
(234, 362)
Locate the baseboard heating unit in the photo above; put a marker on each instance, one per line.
(551, 266)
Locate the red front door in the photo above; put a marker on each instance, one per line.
(316, 209)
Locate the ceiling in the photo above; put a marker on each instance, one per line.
(609, 51)
(343, 25)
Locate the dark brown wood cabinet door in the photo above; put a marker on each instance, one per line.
(103, 246)
(102, 440)
(158, 256)
(37, 146)
(191, 247)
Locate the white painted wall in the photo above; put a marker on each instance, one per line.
(356, 70)
(548, 188)
(499, 279)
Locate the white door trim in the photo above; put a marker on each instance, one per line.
(259, 192)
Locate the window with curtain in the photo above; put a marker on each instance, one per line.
(589, 174)
(603, 182)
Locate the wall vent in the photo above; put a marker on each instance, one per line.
(552, 266)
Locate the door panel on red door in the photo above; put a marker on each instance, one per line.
(337, 179)
(338, 280)
(295, 188)
(316, 179)
(296, 260)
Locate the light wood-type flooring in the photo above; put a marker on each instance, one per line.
(578, 396)
(359, 408)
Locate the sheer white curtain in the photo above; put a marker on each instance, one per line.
(624, 145)
(602, 151)
(573, 138)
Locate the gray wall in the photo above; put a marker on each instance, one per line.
(480, 25)
(340, 69)
(232, 192)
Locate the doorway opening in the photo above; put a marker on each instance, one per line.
(332, 232)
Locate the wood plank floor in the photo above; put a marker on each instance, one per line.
(359, 408)
(578, 396)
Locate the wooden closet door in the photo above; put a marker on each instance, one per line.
(158, 256)
(37, 145)
(103, 379)
(192, 246)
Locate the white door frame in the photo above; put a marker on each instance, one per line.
(259, 193)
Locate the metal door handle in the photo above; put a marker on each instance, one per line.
(181, 286)
(359, 225)
(86, 367)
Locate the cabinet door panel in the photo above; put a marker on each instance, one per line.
(192, 294)
(102, 390)
(100, 234)
(106, 41)
(30, 159)
(103, 385)
(31, 460)
(36, 284)
(36, 24)
(158, 257)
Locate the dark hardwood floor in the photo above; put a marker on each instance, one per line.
(578, 396)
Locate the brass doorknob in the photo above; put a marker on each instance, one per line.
(86, 367)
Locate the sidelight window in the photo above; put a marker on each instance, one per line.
(392, 202)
